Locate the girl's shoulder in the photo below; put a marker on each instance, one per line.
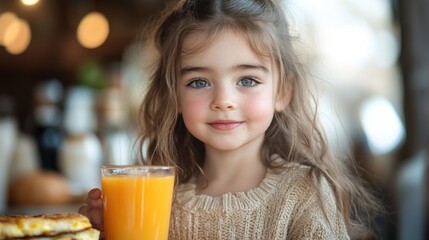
(299, 179)
(289, 171)
(312, 199)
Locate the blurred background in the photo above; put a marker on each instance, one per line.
(71, 80)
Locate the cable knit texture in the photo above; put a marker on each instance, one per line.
(284, 206)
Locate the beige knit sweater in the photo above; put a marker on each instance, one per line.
(284, 206)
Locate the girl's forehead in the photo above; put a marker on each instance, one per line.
(196, 42)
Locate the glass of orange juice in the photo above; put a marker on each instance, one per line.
(137, 201)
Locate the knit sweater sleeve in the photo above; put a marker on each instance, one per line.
(318, 217)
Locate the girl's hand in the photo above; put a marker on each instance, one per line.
(93, 209)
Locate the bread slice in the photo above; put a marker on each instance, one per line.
(9, 228)
(46, 225)
(88, 234)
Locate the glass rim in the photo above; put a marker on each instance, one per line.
(131, 166)
(137, 170)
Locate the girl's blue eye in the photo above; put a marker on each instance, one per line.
(247, 82)
(199, 83)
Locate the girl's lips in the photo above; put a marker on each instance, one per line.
(223, 125)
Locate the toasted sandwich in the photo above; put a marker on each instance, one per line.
(61, 226)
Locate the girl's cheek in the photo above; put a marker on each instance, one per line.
(191, 103)
(192, 109)
(259, 108)
(259, 103)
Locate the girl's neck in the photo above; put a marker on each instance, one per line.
(231, 172)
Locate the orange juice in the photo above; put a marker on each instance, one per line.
(137, 206)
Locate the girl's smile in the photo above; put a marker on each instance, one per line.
(225, 125)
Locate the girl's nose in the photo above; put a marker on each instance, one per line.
(223, 100)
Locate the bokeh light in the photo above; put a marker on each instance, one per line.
(15, 33)
(6, 19)
(93, 30)
(382, 125)
(17, 37)
(29, 2)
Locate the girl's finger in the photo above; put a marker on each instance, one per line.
(96, 216)
(84, 209)
(95, 193)
(94, 202)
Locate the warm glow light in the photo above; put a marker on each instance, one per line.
(29, 2)
(6, 19)
(21, 37)
(93, 30)
(11, 33)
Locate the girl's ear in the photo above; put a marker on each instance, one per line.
(283, 98)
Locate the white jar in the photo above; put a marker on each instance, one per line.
(80, 160)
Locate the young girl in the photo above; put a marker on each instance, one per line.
(229, 106)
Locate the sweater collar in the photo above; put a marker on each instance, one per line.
(186, 194)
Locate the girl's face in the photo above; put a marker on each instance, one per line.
(227, 93)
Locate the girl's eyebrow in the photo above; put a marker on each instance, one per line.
(189, 69)
(259, 67)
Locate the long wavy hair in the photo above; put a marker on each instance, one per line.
(294, 134)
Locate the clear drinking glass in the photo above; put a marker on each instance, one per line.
(137, 201)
